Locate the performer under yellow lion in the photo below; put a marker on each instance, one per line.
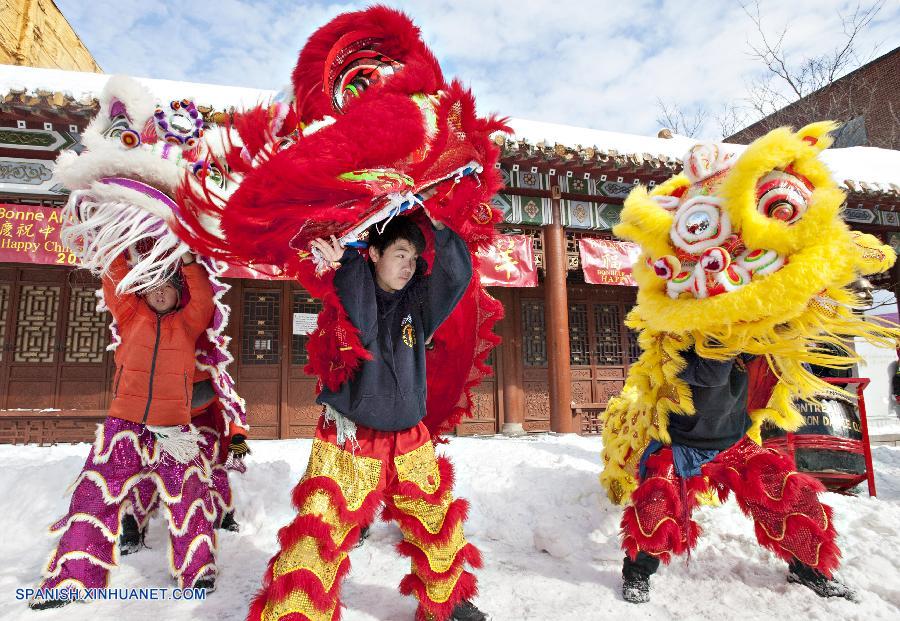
(744, 280)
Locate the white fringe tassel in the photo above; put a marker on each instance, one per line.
(99, 232)
(182, 445)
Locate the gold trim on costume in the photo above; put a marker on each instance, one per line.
(420, 467)
(319, 503)
(440, 555)
(357, 476)
(297, 602)
(439, 591)
(430, 516)
(305, 555)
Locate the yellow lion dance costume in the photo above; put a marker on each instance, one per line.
(745, 272)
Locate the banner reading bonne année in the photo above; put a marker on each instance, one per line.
(30, 234)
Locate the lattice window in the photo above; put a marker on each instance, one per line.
(302, 303)
(607, 335)
(86, 330)
(591, 423)
(579, 348)
(261, 334)
(534, 341)
(4, 309)
(634, 350)
(36, 323)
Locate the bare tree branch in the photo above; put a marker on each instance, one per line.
(674, 117)
(788, 82)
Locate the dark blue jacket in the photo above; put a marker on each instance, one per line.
(719, 391)
(388, 392)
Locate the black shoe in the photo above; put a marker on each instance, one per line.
(466, 611)
(363, 535)
(228, 522)
(822, 586)
(636, 589)
(46, 604)
(206, 583)
(132, 538)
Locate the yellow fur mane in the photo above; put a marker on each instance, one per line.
(784, 316)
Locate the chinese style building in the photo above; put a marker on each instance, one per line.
(563, 279)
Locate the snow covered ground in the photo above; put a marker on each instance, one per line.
(544, 526)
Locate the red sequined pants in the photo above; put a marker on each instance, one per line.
(783, 503)
(341, 492)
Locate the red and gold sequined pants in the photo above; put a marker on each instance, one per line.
(782, 502)
(341, 492)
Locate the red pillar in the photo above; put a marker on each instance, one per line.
(556, 321)
(511, 363)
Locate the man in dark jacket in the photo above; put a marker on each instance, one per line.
(710, 449)
(371, 446)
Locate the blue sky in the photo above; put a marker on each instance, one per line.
(599, 64)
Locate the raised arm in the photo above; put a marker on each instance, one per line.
(122, 307)
(199, 310)
(449, 278)
(354, 285)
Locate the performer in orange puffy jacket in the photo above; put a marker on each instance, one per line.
(147, 435)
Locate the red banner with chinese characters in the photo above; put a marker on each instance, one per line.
(508, 262)
(608, 262)
(30, 234)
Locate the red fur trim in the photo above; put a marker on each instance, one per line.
(466, 588)
(658, 496)
(789, 518)
(805, 541)
(468, 554)
(767, 477)
(363, 515)
(314, 526)
(399, 39)
(335, 350)
(457, 512)
(301, 580)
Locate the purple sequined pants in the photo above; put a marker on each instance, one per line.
(145, 498)
(125, 454)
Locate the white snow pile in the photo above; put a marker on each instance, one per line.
(548, 535)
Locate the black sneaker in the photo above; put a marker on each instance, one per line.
(228, 523)
(46, 604)
(636, 589)
(467, 611)
(132, 538)
(822, 586)
(363, 535)
(208, 583)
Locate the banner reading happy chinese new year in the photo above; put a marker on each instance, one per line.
(608, 262)
(30, 234)
(508, 262)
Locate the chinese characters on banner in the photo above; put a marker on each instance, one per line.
(508, 262)
(30, 234)
(608, 262)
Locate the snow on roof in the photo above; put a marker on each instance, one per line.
(84, 86)
(878, 169)
(853, 167)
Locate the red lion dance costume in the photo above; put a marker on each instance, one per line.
(373, 129)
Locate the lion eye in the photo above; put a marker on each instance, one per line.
(783, 196)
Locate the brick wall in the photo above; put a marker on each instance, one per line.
(872, 90)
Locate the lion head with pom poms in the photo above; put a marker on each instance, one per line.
(740, 254)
